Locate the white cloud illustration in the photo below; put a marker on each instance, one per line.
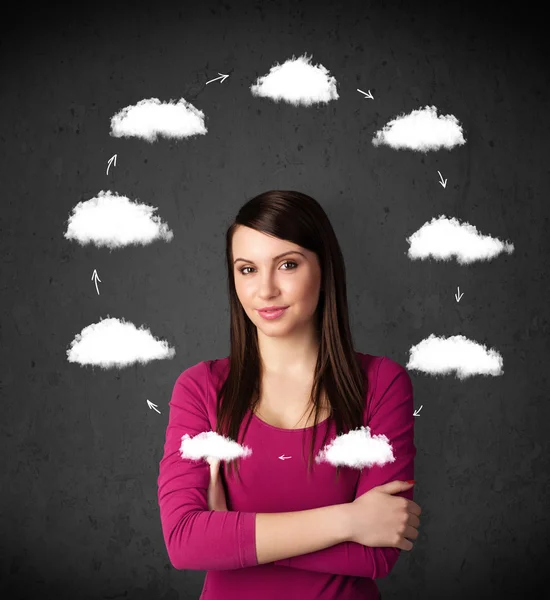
(150, 118)
(115, 221)
(298, 82)
(357, 449)
(440, 356)
(421, 130)
(443, 238)
(115, 343)
(211, 446)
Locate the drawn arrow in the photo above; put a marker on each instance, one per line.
(94, 274)
(443, 183)
(110, 161)
(151, 405)
(223, 78)
(367, 95)
(417, 411)
(459, 295)
(283, 457)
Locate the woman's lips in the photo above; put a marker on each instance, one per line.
(269, 315)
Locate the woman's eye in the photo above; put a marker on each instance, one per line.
(288, 262)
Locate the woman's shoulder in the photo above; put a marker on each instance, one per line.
(210, 364)
(208, 370)
(370, 363)
(376, 364)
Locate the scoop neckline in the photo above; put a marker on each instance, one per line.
(262, 422)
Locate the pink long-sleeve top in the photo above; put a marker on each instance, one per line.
(223, 543)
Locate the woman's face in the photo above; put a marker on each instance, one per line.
(262, 280)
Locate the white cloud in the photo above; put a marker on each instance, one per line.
(440, 356)
(443, 238)
(115, 221)
(151, 118)
(297, 82)
(211, 446)
(115, 343)
(421, 130)
(357, 449)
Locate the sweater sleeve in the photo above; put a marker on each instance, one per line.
(391, 415)
(195, 537)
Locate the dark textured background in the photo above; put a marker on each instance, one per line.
(79, 446)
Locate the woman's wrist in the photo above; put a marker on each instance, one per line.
(346, 521)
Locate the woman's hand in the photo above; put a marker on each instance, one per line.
(216, 493)
(379, 519)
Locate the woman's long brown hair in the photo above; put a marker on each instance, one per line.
(300, 219)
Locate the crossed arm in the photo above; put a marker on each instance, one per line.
(392, 416)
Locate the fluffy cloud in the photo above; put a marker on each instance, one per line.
(421, 130)
(297, 82)
(151, 118)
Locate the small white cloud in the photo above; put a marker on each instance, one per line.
(211, 446)
(115, 343)
(151, 118)
(440, 356)
(357, 449)
(297, 82)
(443, 238)
(421, 130)
(115, 221)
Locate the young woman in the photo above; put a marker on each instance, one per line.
(273, 525)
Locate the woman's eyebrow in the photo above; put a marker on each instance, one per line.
(274, 258)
